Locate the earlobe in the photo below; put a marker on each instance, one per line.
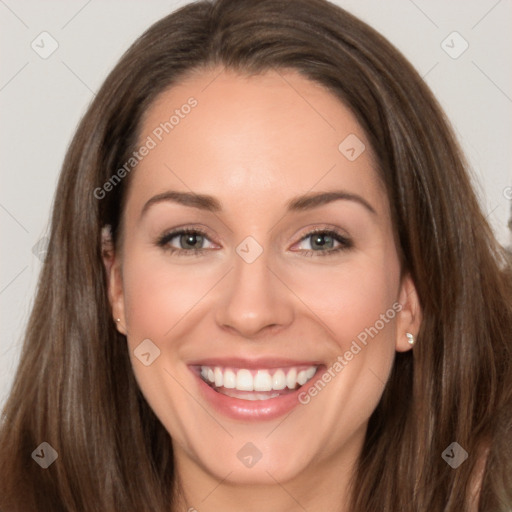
(114, 278)
(410, 316)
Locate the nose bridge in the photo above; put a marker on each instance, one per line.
(253, 298)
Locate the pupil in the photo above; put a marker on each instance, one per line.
(190, 239)
(317, 241)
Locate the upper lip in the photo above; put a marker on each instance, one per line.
(263, 362)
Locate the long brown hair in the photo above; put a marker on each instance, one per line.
(74, 386)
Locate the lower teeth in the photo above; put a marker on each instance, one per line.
(247, 395)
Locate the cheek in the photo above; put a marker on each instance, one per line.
(358, 303)
(352, 296)
(159, 295)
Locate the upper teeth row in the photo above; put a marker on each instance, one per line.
(244, 380)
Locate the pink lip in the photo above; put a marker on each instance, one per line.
(252, 410)
(266, 362)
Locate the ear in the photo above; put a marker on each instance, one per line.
(410, 316)
(112, 264)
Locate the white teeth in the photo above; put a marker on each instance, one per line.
(310, 372)
(301, 377)
(291, 378)
(262, 381)
(229, 379)
(279, 380)
(244, 395)
(219, 378)
(257, 380)
(244, 380)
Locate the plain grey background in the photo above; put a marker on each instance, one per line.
(42, 98)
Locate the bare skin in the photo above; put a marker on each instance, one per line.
(254, 143)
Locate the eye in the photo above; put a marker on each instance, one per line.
(189, 242)
(322, 242)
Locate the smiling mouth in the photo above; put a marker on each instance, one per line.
(256, 384)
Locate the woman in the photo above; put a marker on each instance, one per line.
(189, 349)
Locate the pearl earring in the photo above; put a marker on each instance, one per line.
(118, 319)
(410, 338)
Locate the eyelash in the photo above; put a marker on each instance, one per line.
(345, 243)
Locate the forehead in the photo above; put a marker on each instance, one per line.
(221, 133)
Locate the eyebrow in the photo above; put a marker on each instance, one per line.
(296, 204)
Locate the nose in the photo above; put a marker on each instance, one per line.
(255, 299)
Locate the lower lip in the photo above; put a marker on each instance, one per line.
(240, 409)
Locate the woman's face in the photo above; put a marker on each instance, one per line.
(288, 276)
